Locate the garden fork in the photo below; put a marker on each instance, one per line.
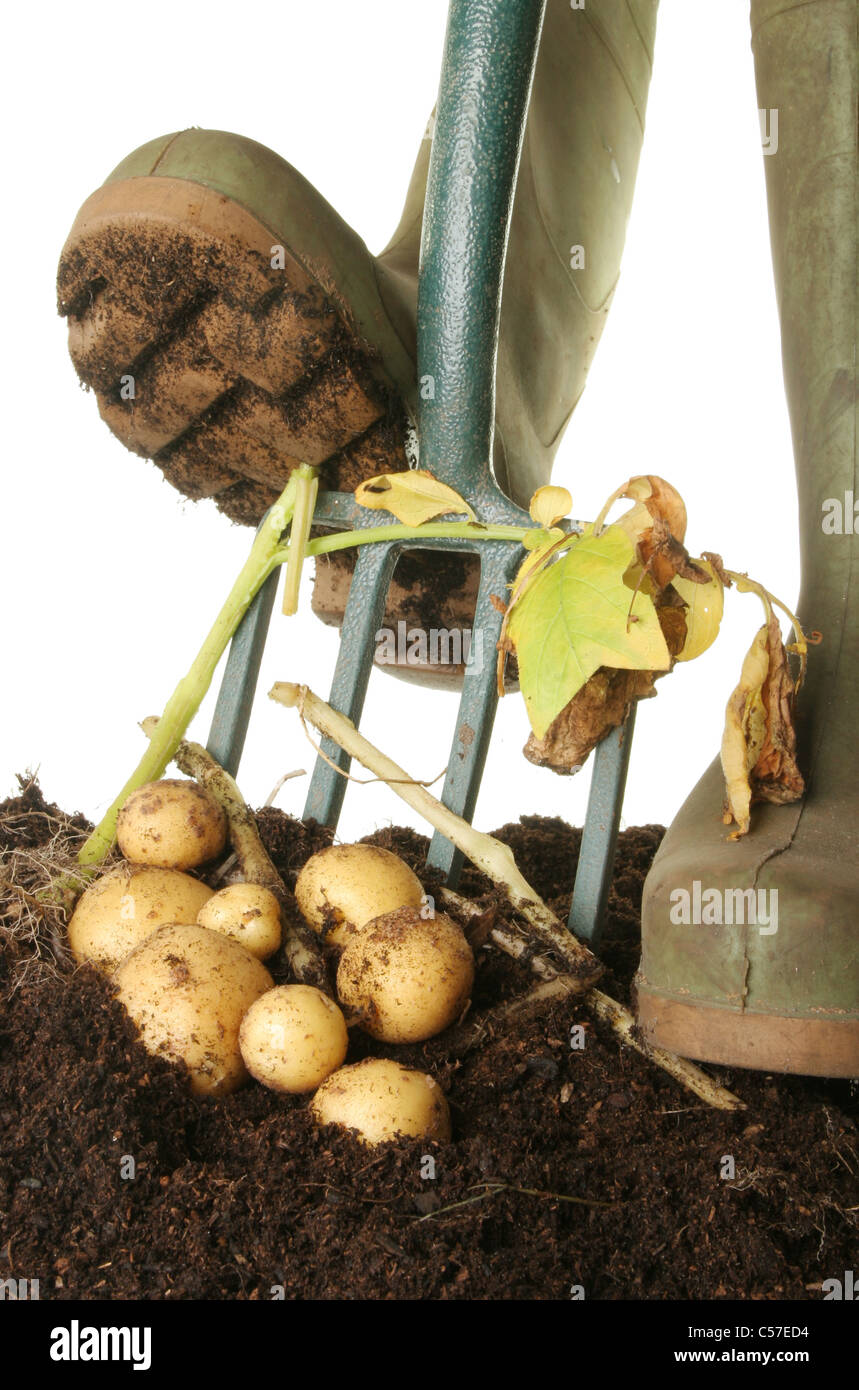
(487, 70)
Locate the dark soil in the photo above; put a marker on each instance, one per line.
(566, 1168)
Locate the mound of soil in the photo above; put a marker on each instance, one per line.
(567, 1167)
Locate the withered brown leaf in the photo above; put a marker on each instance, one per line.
(663, 556)
(657, 527)
(759, 741)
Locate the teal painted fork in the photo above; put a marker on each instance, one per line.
(488, 66)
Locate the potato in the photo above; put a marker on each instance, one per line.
(406, 977)
(247, 913)
(382, 1100)
(292, 1038)
(187, 989)
(341, 888)
(125, 906)
(171, 824)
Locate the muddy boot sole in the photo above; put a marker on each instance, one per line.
(226, 369)
(232, 326)
(426, 633)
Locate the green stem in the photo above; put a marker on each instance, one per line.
(266, 554)
(439, 530)
(307, 486)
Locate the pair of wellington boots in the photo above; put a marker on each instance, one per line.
(232, 325)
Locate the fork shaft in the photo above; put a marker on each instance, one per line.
(489, 56)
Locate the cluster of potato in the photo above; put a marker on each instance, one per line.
(188, 965)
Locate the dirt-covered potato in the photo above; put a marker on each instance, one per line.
(246, 912)
(292, 1038)
(172, 824)
(406, 977)
(187, 990)
(125, 906)
(344, 886)
(381, 1100)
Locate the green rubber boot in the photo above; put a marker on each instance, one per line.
(231, 324)
(782, 994)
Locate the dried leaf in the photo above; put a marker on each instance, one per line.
(704, 607)
(759, 742)
(549, 504)
(574, 618)
(656, 525)
(600, 706)
(664, 557)
(636, 522)
(673, 621)
(413, 497)
(662, 501)
(716, 561)
(745, 730)
(776, 776)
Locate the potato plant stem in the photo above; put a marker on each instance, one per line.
(307, 486)
(265, 556)
(300, 944)
(496, 860)
(432, 530)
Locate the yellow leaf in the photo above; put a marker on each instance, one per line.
(705, 604)
(759, 743)
(745, 733)
(412, 497)
(575, 617)
(549, 504)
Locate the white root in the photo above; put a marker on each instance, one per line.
(494, 858)
(496, 861)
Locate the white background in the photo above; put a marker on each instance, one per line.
(111, 581)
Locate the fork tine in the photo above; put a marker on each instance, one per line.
(477, 705)
(365, 609)
(238, 686)
(599, 835)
